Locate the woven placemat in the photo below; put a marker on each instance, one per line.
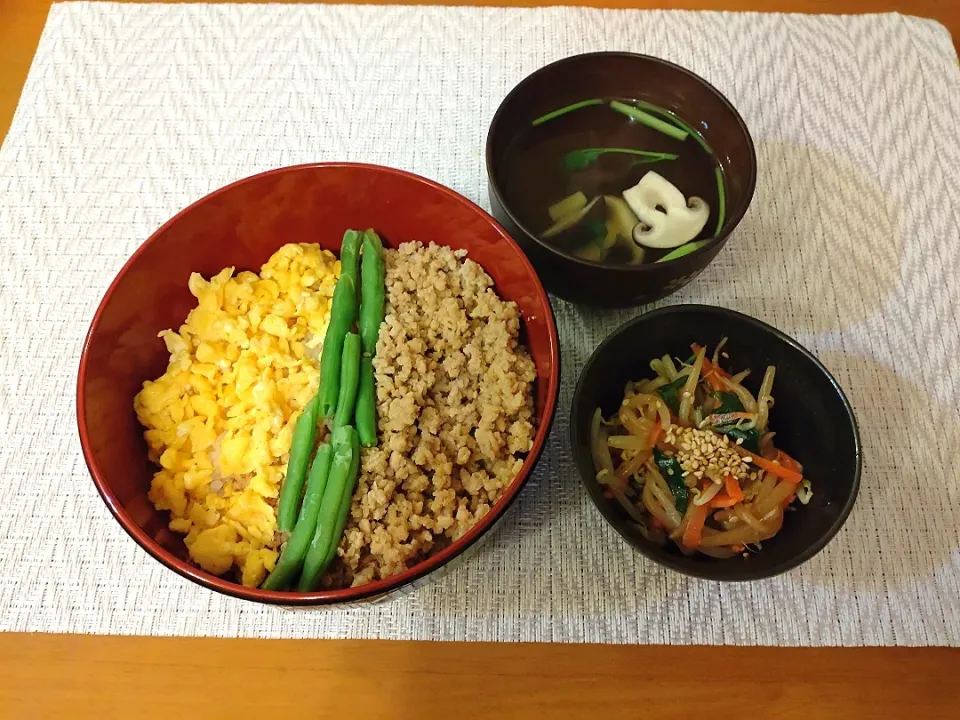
(852, 245)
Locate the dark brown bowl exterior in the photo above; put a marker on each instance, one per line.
(812, 417)
(242, 225)
(641, 77)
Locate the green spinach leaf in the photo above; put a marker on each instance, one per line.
(671, 393)
(729, 403)
(751, 437)
(673, 474)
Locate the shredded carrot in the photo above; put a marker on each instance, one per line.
(711, 376)
(655, 523)
(786, 473)
(694, 532)
(738, 548)
(725, 418)
(656, 432)
(732, 487)
(788, 462)
(711, 373)
(731, 496)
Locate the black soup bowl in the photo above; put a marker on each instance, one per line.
(631, 77)
(812, 418)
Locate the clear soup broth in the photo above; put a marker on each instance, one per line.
(545, 164)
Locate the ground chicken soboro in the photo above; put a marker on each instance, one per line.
(455, 403)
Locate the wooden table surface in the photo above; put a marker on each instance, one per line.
(79, 676)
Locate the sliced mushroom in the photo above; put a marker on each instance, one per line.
(667, 220)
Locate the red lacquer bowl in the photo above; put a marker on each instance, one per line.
(241, 225)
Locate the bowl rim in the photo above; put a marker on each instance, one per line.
(374, 589)
(731, 222)
(606, 509)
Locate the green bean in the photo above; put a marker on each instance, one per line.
(372, 295)
(372, 302)
(349, 379)
(350, 254)
(344, 442)
(342, 316)
(367, 404)
(304, 433)
(294, 552)
(345, 501)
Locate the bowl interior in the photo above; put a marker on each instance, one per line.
(637, 77)
(812, 419)
(241, 226)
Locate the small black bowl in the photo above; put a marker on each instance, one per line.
(639, 77)
(812, 419)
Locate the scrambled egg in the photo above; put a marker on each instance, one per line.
(220, 420)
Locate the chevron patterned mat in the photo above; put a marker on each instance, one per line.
(852, 245)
